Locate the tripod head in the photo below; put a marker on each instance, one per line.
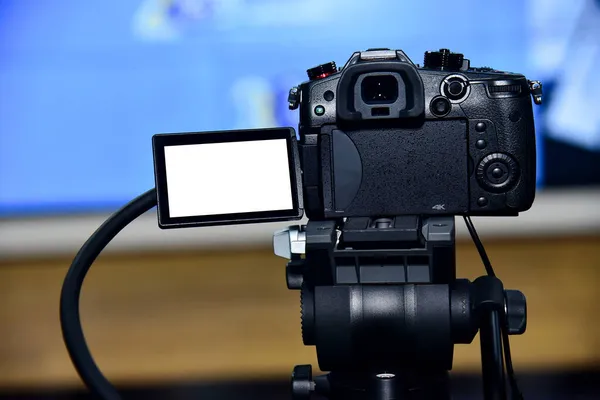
(381, 303)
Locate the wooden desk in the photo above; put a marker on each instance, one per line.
(227, 315)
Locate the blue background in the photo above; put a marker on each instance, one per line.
(85, 84)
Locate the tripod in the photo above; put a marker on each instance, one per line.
(381, 303)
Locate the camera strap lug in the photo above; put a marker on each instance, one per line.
(535, 87)
(294, 98)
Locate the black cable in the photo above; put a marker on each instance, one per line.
(514, 387)
(69, 299)
(482, 253)
(516, 393)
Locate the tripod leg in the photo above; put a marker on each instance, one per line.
(492, 362)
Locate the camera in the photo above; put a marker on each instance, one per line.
(383, 136)
(379, 137)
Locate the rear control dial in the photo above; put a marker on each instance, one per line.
(498, 172)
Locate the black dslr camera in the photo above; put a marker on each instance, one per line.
(380, 137)
(383, 136)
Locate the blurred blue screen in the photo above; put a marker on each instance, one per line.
(85, 84)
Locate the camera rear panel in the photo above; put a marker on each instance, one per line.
(391, 171)
(463, 140)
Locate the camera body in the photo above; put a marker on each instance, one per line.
(385, 137)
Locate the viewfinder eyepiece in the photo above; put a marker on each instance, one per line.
(379, 89)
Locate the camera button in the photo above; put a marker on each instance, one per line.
(455, 87)
(440, 106)
(498, 172)
(480, 127)
(481, 144)
(328, 95)
(319, 110)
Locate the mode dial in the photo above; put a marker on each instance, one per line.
(443, 59)
(321, 71)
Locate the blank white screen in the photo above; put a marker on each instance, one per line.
(226, 178)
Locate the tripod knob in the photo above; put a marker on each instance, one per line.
(294, 274)
(302, 383)
(516, 312)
